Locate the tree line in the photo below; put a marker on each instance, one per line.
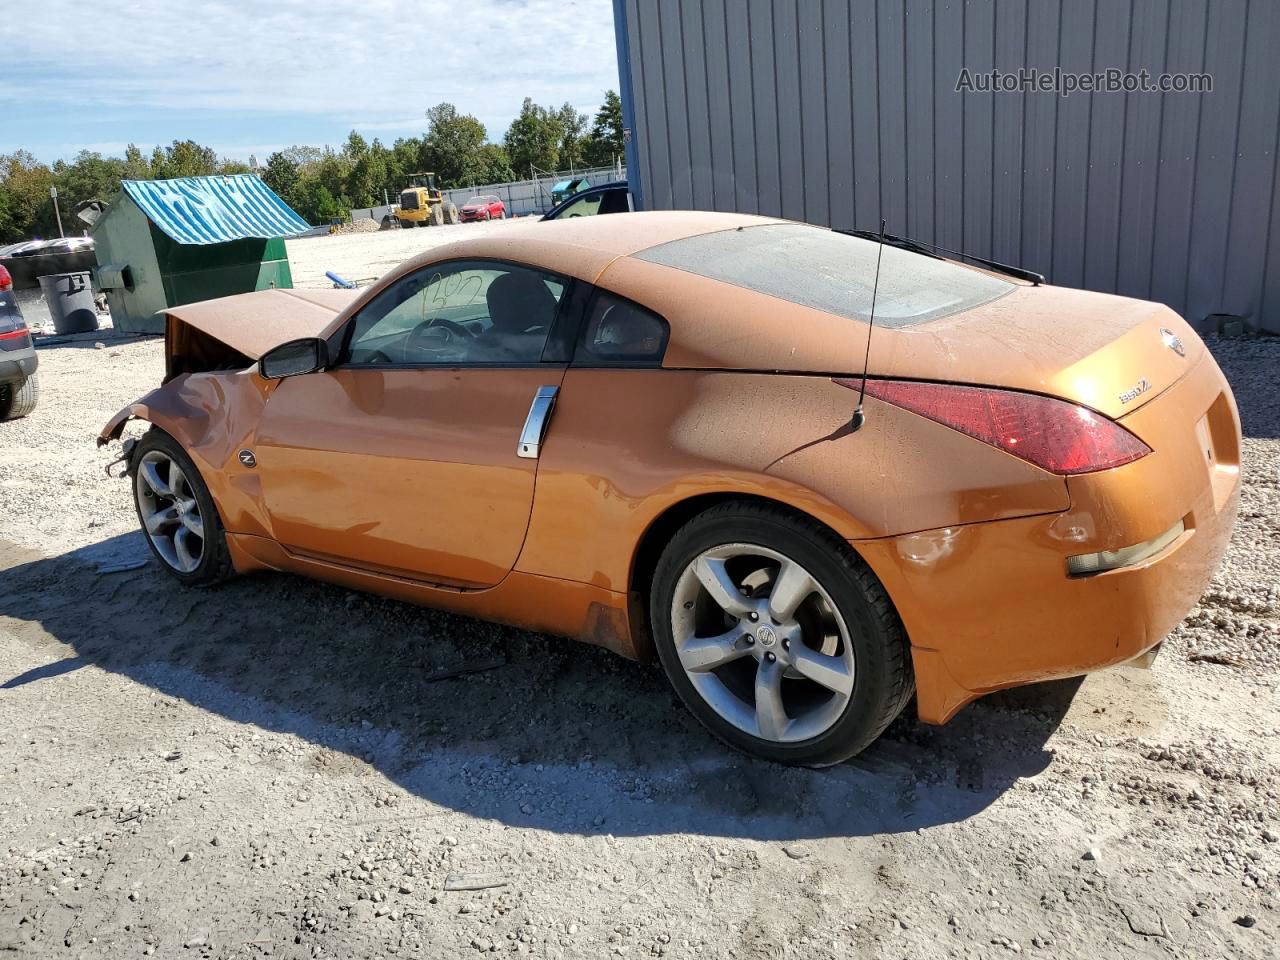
(323, 183)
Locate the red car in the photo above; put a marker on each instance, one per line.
(483, 208)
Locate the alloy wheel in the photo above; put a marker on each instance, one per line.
(762, 642)
(170, 511)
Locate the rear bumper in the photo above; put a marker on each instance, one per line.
(14, 369)
(991, 605)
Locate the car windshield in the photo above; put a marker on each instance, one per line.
(832, 272)
(478, 201)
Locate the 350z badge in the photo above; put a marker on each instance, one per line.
(1141, 387)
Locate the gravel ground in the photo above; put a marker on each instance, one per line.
(269, 768)
(366, 256)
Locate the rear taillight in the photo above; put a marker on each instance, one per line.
(1055, 435)
(19, 331)
(6, 281)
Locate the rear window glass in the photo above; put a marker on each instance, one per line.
(831, 272)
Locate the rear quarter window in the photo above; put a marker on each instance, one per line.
(619, 332)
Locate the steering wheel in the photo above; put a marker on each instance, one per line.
(421, 331)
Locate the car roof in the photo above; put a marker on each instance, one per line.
(583, 246)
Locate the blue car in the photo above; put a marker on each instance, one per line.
(607, 198)
(19, 388)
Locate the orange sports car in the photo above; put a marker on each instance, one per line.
(647, 431)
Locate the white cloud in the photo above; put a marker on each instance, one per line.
(376, 64)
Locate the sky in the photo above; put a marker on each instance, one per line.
(250, 78)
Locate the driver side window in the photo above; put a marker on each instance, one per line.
(458, 313)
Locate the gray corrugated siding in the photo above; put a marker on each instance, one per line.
(843, 111)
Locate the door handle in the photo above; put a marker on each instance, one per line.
(535, 424)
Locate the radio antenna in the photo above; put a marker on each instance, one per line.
(859, 418)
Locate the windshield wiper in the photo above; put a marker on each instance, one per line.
(932, 250)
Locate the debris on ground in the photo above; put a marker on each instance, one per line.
(278, 731)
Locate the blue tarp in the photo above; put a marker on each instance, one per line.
(202, 210)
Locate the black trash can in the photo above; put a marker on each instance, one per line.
(70, 299)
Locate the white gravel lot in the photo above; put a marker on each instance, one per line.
(366, 256)
(264, 768)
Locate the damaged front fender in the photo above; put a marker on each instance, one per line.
(212, 416)
(138, 410)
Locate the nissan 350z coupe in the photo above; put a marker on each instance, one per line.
(638, 431)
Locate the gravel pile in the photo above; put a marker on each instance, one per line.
(270, 769)
(361, 225)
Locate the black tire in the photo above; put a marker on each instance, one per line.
(19, 399)
(215, 561)
(883, 680)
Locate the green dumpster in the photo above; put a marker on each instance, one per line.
(162, 243)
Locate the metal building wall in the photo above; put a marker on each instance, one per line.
(842, 111)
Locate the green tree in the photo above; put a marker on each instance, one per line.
(573, 130)
(228, 167)
(27, 210)
(281, 175)
(493, 165)
(355, 147)
(368, 176)
(332, 173)
(452, 146)
(605, 142)
(303, 156)
(183, 158)
(533, 139)
(321, 205)
(404, 157)
(136, 166)
(90, 176)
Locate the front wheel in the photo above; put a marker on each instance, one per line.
(777, 636)
(177, 512)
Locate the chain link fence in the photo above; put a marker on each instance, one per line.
(522, 197)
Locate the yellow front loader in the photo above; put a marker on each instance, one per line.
(422, 204)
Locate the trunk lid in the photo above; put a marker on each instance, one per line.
(1112, 354)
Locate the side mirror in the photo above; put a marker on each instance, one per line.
(294, 358)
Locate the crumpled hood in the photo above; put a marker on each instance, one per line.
(253, 323)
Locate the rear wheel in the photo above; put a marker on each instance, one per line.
(19, 399)
(777, 636)
(177, 512)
